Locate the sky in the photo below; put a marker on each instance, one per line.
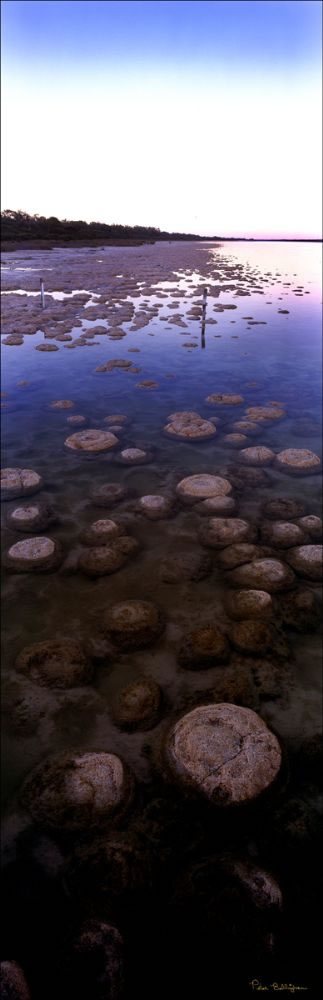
(201, 117)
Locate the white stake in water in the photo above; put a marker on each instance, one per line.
(42, 297)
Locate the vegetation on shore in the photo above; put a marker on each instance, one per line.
(23, 228)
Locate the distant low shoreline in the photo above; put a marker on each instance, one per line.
(8, 246)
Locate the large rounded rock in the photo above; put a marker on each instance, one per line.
(282, 534)
(102, 532)
(312, 526)
(223, 752)
(250, 636)
(205, 647)
(214, 506)
(298, 461)
(306, 560)
(283, 509)
(249, 604)
(154, 507)
(134, 456)
(219, 532)
(19, 483)
(224, 399)
(12, 982)
(257, 456)
(137, 706)
(189, 426)
(188, 565)
(58, 663)
(271, 575)
(133, 624)
(237, 555)
(260, 414)
(106, 559)
(77, 791)
(247, 477)
(31, 517)
(108, 494)
(234, 440)
(92, 440)
(92, 966)
(34, 555)
(202, 487)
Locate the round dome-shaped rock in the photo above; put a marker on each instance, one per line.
(38, 554)
(219, 532)
(299, 610)
(13, 985)
(116, 418)
(154, 507)
(202, 487)
(91, 441)
(62, 404)
(298, 461)
(249, 604)
(224, 752)
(214, 506)
(271, 575)
(92, 965)
(205, 647)
(306, 560)
(78, 419)
(102, 532)
(224, 399)
(282, 534)
(133, 624)
(250, 636)
(237, 555)
(234, 440)
(134, 456)
(31, 517)
(105, 559)
(19, 483)
(137, 707)
(75, 791)
(312, 526)
(189, 427)
(256, 456)
(190, 564)
(58, 663)
(245, 427)
(283, 509)
(263, 413)
(108, 494)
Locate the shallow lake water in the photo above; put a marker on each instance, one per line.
(262, 340)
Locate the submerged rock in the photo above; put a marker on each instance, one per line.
(108, 494)
(58, 663)
(219, 532)
(250, 636)
(137, 706)
(312, 526)
(257, 456)
(223, 752)
(62, 404)
(189, 426)
(283, 509)
(298, 461)
(237, 555)
(263, 413)
(102, 532)
(216, 505)
(134, 456)
(268, 574)
(299, 610)
(34, 555)
(31, 517)
(224, 399)
(91, 440)
(105, 559)
(249, 604)
(154, 507)
(306, 560)
(234, 440)
(205, 647)
(19, 483)
(133, 624)
(77, 791)
(282, 534)
(202, 487)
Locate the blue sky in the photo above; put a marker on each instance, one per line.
(200, 116)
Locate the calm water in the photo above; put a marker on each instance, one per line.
(281, 356)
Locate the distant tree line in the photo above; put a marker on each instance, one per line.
(21, 226)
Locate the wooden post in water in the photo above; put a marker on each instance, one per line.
(42, 297)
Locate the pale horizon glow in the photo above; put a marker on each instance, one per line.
(214, 151)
